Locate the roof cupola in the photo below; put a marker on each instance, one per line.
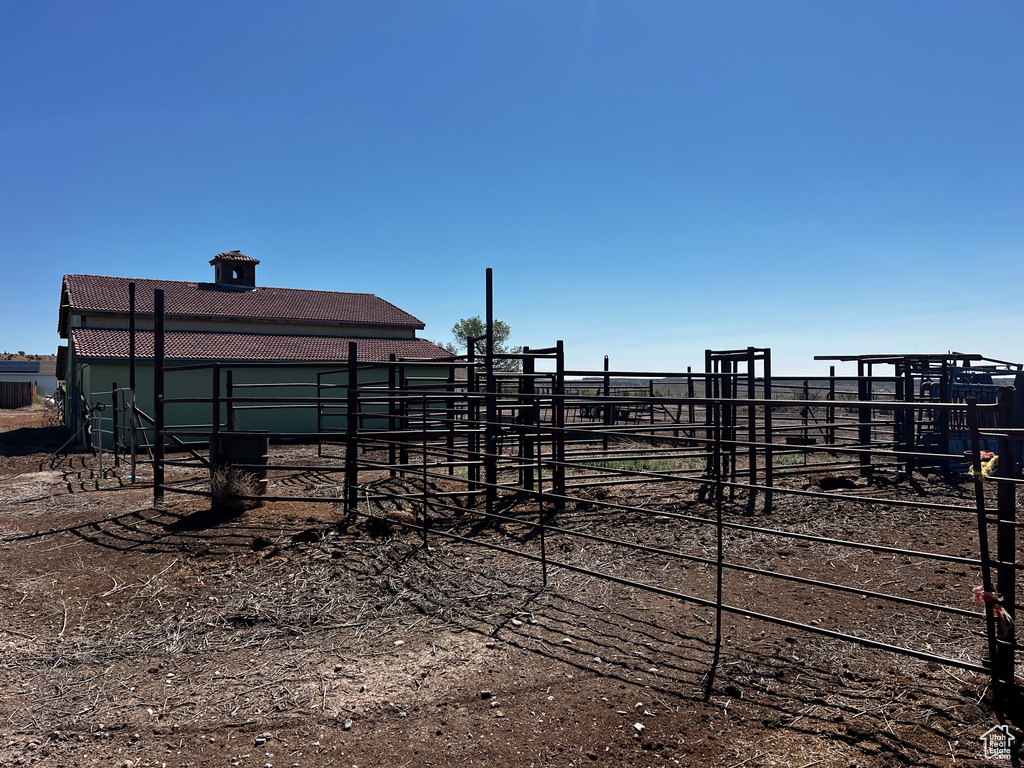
(234, 269)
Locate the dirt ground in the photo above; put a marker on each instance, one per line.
(137, 636)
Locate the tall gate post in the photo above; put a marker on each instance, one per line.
(158, 397)
(491, 404)
(1006, 535)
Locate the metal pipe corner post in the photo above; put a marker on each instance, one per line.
(351, 433)
(490, 431)
(1006, 540)
(158, 397)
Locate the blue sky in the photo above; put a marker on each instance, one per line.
(647, 179)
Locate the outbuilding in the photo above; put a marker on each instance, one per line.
(231, 319)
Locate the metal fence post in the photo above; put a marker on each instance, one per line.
(215, 418)
(769, 437)
(392, 412)
(352, 434)
(558, 427)
(491, 404)
(115, 424)
(1006, 537)
(158, 397)
(531, 413)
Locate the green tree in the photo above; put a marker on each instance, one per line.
(473, 327)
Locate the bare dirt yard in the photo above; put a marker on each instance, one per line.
(279, 637)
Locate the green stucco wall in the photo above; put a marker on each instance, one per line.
(98, 379)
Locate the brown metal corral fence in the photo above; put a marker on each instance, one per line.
(544, 455)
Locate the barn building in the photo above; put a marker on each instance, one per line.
(229, 320)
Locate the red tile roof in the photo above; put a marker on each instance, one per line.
(104, 344)
(234, 256)
(110, 294)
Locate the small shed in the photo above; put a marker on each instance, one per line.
(39, 374)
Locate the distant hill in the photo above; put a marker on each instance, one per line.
(21, 356)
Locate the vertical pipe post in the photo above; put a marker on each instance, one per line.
(229, 393)
(491, 403)
(864, 421)
(691, 409)
(1006, 538)
(115, 423)
(558, 427)
(710, 387)
(133, 423)
(158, 397)
(449, 410)
(769, 436)
(351, 433)
(719, 549)
(131, 336)
(392, 411)
(424, 522)
(540, 502)
(944, 416)
(900, 396)
(473, 407)
(404, 410)
(983, 548)
(751, 426)
(532, 414)
(908, 423)
(607, 412)
(728, 423)
(215, 417)
(319, 413)
(908, 418)
(830, 412)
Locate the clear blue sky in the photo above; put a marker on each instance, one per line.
(647, 179)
